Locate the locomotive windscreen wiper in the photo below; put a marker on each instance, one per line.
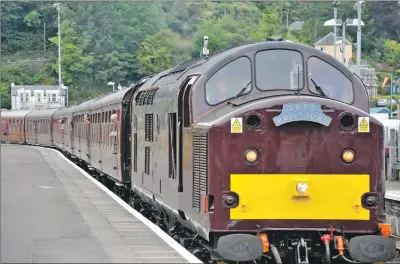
(318, 88)
(239, 94)
(242, 90)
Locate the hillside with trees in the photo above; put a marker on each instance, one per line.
(123, 41)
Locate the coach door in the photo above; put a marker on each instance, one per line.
(71, 133)
(35, 129)
(184, 132)
(115, 119)
(86, 147)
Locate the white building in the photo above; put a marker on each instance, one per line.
(35, 97)
(369, 78)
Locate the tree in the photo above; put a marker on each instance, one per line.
(161, 51)
(391, 54)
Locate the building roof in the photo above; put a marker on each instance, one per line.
(379, 110)
(330, 40)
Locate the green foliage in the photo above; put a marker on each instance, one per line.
(392, 107)
(161, 51)
(75, 65)
(122, 41)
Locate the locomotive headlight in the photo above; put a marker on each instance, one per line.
(302, 188)
(348, 156)
(251, 156)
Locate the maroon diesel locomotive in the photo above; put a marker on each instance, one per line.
(264, 152)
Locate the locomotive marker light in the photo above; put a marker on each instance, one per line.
(348, 156)
(295, 112)
(251, 156)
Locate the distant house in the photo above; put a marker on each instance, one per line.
(326, 44)
(36, 97)
(297, 25)
(369, 78)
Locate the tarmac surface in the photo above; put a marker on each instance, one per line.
(52, 212)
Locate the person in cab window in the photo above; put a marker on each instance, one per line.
(221, 91)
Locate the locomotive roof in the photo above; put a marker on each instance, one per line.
(206, 64)
(42, 113)
(15, 113)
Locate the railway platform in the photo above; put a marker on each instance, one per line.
(52, 211)
(393, 190)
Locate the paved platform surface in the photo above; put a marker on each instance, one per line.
(393, 190)
(51, 212)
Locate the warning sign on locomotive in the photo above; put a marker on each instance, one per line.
(236, 125)
(363, 124)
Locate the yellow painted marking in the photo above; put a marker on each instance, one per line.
(236, 125)
(363, 124)
(274, 196)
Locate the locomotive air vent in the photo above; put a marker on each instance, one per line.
(200, 168)
(146, 97)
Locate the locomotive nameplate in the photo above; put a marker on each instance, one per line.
(295, 112)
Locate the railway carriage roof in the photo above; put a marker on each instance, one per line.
(15, 113)
(63, 111)
(47, 113)
(109, 99)
(83, 106)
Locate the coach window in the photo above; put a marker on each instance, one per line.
(333, 83)
(229, 81)
(279, 70)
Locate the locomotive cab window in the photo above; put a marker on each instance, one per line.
(333, 83)
(279, 70)
(229, 81)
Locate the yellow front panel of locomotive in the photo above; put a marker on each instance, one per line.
(275, 196)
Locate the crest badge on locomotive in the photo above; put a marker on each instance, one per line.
(295, 112)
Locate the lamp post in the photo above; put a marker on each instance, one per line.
(58, 6)
(357, 6)
(335, 5)
(391, 96)
(113, 85)
(340, 22)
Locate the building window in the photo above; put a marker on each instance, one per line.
(22, 97)
(38, 97)
(53, 97)
(26, 97)
(323, 49)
